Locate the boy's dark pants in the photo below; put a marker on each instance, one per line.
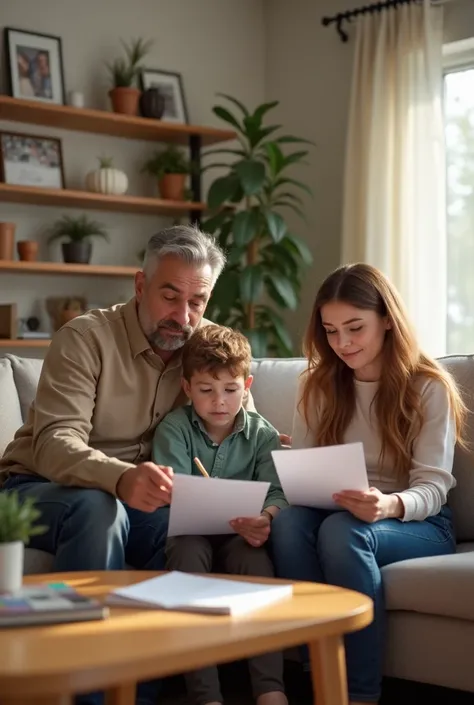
(233, 555)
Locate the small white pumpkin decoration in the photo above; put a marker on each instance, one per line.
(106, 179)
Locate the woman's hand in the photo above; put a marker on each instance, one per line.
(370, 506)
(254, 530)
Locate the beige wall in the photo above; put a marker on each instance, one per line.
(309, 69)
(217, 45)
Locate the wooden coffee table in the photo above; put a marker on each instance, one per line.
(47, 665)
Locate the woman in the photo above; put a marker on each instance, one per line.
(368, 381)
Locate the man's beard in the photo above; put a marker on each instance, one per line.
(156, 334)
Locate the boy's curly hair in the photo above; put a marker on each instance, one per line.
(214, 348)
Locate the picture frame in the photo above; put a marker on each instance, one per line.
(34, 64)
(31, 160)
(170, 84)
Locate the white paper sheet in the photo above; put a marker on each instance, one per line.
(310, 476)
(205, 505)
(193, 593)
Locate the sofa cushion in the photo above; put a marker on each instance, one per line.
(274, 389)
(26, 372)
(10, 411)
(460, 499)
(439, 585)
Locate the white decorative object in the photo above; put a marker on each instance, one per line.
(11, 566)
(76, 99)
(107, 179)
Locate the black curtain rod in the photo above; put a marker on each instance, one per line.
(350, 14)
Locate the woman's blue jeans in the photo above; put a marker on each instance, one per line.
(335, 547)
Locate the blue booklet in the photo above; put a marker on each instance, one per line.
(48, 603)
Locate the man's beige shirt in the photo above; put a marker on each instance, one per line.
(101, 393)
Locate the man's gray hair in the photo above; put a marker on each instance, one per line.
(188, 243)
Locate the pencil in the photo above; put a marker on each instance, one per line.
(201, 467)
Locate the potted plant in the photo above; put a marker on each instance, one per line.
(107, 179)
(124, 71)
(170, 167)
(78, 231)
(17, 525)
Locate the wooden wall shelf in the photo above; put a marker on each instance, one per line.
(22, 343)
(106, 123)
(63, 198)
(103, 270)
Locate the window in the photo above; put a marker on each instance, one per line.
(459, 131)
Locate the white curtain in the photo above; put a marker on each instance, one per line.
(394, 192)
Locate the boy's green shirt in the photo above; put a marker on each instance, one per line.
(244, 455)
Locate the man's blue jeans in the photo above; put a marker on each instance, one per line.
(90, 529)
(336, 548)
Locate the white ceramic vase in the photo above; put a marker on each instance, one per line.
(11, 566)
(108, 181)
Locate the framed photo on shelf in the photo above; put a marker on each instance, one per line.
(34, 66)
(31, 160)
(170, 85)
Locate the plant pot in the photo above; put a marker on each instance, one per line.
(77, 252)
(171, 187)
(7, 240)
(27, 250)
(11, 566)
(152, 103)
(125, 100)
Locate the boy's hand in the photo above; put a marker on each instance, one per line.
(255, 530)
(285, 440)
(146, 487)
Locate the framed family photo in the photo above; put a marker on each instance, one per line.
(31, 160)
(34, 66)
(170, 85)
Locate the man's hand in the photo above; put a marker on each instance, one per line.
(370, 506)
(146, 487)
(254, 530)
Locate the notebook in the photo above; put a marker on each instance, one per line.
(48, 604)
(192, 593)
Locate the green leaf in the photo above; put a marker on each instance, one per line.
(236, 152)
(294, 157)
(263, 109)
(285, 290)
(222, 190)
(287, 204)
(236, 102)
(276, 226)
(227, 116)
(303, 250)
(280, 329)
(258, 340)
(251, 174)
(216, 221)
(245, 227)
(224, 233)
(288, 139)
(275, 157)
(294, 182)
(226, 292)
(251, 283)
(291, 196)
(235, 255)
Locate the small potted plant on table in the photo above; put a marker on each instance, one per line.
(78, 231)
(170, 167)
(124, 73)
(17, 526)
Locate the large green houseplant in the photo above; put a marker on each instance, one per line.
(266, 261)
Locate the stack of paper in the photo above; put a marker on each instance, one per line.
(184, 592)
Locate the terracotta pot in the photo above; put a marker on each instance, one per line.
(7, 240)
(171, 187)
(125, 100)
(27, 250)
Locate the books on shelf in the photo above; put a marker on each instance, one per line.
(185, 592)
(49, 603)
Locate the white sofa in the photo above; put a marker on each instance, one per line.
(430, 601)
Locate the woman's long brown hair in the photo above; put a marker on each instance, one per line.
(329, 391)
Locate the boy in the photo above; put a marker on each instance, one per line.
(231, 443)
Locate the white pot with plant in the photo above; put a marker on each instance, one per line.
(77, 231)
(124, 73)
(170, 167)
(106, 179)
(17, 526)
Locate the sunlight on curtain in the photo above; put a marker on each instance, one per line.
(394, 191)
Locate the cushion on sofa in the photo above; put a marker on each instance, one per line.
(26, 372)
(460, 499)
(10, 411)
(274, 389)
(439, 585)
